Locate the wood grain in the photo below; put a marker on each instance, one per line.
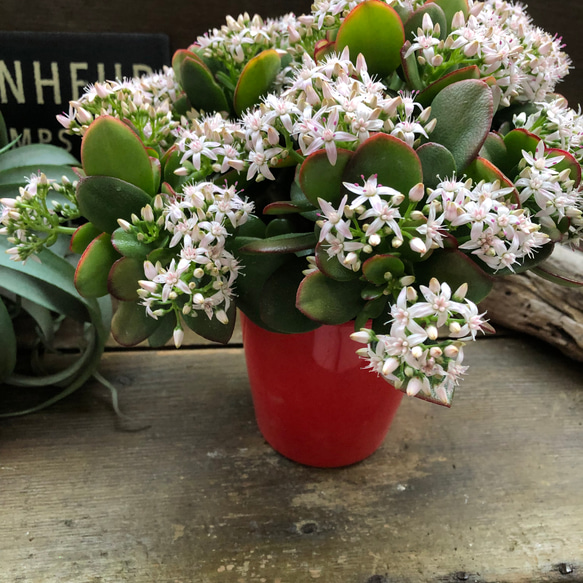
(487, 491)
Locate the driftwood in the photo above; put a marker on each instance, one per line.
(535, 306)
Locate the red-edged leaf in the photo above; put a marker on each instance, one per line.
(92, 271)
(428, 94)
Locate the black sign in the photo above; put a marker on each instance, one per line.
(41, 72)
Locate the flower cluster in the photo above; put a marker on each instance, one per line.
(145, 101)
(38, 215)
(498, 37)
(412, 355)
(199, 279)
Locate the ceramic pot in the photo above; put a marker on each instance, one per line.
(313, 401)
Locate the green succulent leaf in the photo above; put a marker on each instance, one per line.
(255, 270)
(127, 245)
(437, 163)
(411, 68)
(91, 275)
(331, 266)
(212, 329)
(395, 163)
(329, 301)
(482, 169)
(111, 148)
(415, 21)
(286, 207)
(8, 359)
(463, 112)
(455, 268)
(516, 141)
(179, 57)
(375, 308)
(131, 325)
(256, 79)
(450, 7)
(374, 29)
(319, 179)
(556, 278)
(163, 332)
(203, 92)
(375, 268)
(288, 243)
(568, 162)
(278, 227)
(123, 279)
(38, 155)
(494, 150)
(103, 200)
(278, 299)
(83, 236)
(254, 227)
(429, 93)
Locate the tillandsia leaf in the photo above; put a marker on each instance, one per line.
(381, 268)
(212, 329)
(410, 68)
(319, 179)
(516, 141)
(164, 332)
(123, 279)
(286, 207)
(91, 275)
(13, 178)
(104, 199)
(289, 243)
(455, 268)
(450, 7)
(4, 141)
(278, 299)
(131, 325)
(8, 359)
(415, 20)
(395, 163)
(374, 30)
(127, 245)
(203, 92)
(43, 319)
(464, 113)
(557, 278)
(329, 301)
(494, 149)
(256, 79)
(278, 227)
(428, 94)
(111, 148)
(42, 293)
(437, 163)
(331, 267)
(37, 155)
(539, 256)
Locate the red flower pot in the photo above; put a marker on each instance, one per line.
(313, 401)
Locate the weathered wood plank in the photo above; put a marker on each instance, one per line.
(491, 488)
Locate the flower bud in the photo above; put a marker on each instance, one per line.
(148, 214)
(364, 336)
(390, 365)
(149, 286)
(455, 328)
(417, 352)
(414, 386)
(124, 224)
(412, 294)
(451, 351)
(435, 352)
(417, 192)
(460, 292)
(418, 246)
(432, 332)
(178, 337)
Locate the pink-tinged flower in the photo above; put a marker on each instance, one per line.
(433, 229)
(334, 219)
(370, 191)
(438, 302)
(326, 134)
(383, 214)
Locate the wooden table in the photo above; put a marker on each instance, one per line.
(489, 491)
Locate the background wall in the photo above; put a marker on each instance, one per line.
(184, 20)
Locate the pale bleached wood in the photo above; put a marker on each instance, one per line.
(535, 306)
(489, 491)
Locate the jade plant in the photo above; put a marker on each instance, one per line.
(373, 161)
(40, 292)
